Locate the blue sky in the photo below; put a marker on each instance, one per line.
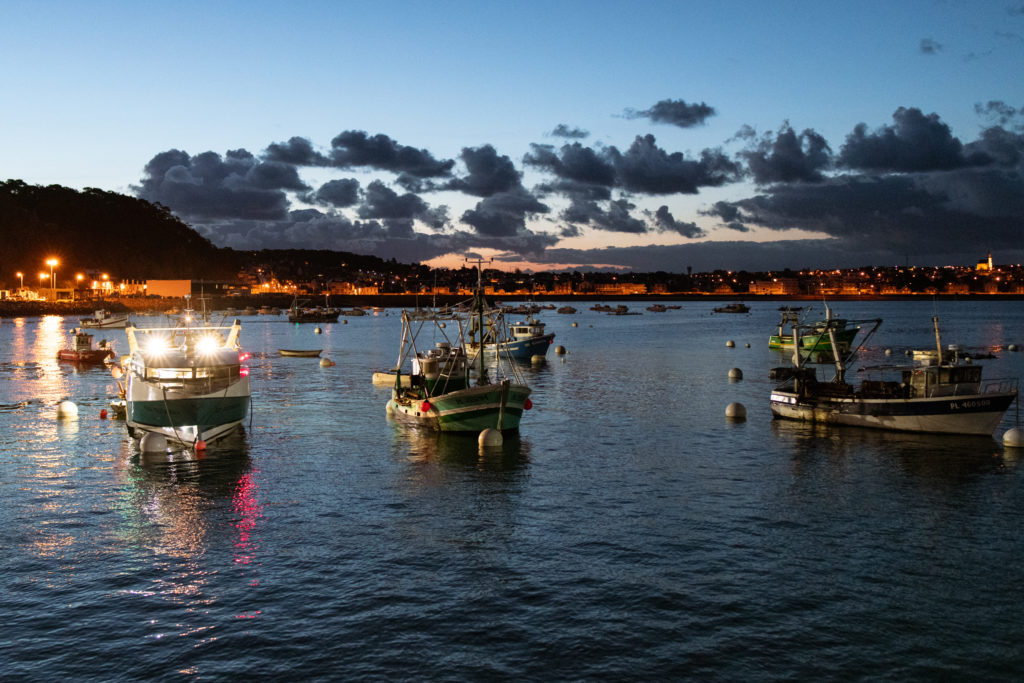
(713, 135)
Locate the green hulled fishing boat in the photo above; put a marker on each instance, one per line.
(815, 335)
(439, 391)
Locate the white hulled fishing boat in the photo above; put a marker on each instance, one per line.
(186, 382)
(946, 396)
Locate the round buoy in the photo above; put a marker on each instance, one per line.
(736, 411)
(748, 345)
(1014, 438)
(1012, 347)
(116, 372)
(527, 404)
(441, 325)
(537, 358)
(907, 352)
(326, 362)
(729, 344)
(67, 410)
(103, 414)
(344, 322)
(151, 442)
(888, 352)
(200, 445)
(560, 350)
(490, 437)
(318, 331)
(425, 407)
(735, 373)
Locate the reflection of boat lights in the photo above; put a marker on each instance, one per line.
(242, 357)
(207, 344)
(157, 345)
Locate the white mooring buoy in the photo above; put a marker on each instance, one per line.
(151, 442)
(575, 324)
(729, 344)
(1012, 347)
(560, 350)
(1014, 438)
(318, 331)
(538, 358)
(490, 437)
(67, 410)
(735, 373)
(736, 411)
(326, 362)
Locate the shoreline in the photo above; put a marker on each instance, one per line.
(87, 307)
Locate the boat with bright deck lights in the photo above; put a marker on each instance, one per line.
(186, 382)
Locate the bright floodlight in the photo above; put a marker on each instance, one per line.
(208, 344)
(156, 345)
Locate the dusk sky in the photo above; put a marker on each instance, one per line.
(644, 136)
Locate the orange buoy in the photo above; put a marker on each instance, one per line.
(425, 407)
(103, 414)
(200, 445)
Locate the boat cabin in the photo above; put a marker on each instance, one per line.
(526, 330)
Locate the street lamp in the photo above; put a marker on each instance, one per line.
(53, 283)
(21, 278)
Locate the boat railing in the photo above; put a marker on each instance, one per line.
(998, 386)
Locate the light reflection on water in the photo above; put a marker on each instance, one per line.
(629, 530)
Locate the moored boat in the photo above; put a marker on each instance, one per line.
(815, 335)
(187, 383)
(104, 319)
(441, 394)
(300, 353)
(523, 340)
(944, 396)
(82, 349)
(733, 308)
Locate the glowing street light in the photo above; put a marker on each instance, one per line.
(21, 278)
(53, 283)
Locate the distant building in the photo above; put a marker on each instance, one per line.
(984, 265)
(776, 286)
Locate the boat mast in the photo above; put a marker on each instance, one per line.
(938, 342)
(482, 379)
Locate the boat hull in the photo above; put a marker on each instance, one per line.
(963, 414)
(814, 342)
(185, 417)
(519, 349)
(467, 410)
(95, 356)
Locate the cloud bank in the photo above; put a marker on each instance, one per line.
(905, 187)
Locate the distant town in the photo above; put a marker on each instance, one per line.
(982, 278)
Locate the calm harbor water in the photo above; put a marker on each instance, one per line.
(629, 532)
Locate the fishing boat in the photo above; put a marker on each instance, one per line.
(300, 353)
(566, 310)
(815, 335)
(441, 394)
(301, 312)
(522, 341)
(186, 382)
(104, 319)
(733, 308)
(83, 351)
(944, 397)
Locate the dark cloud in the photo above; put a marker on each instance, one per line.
(564, 131)
(488, 173)
(504, 214)
(999, 112)
(297, 151)
(675, 112)
(208, 186)
(914, 143)
(573, 162)
(337, 193)
(647, 168)
(616, 217)
(354, 148)
(788, 157)
(380, 201)
(665, 222)
(930, 47)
